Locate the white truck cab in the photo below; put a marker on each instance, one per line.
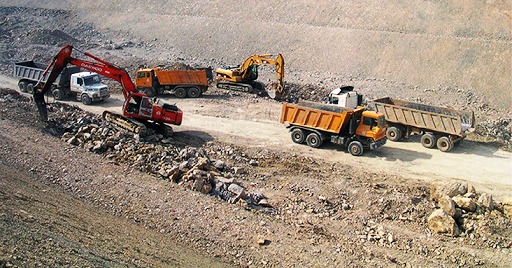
(88, 87)
(345, 97)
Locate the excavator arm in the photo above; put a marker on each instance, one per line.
(64, 58)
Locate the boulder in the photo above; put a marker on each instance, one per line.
(449, 188)
(485, 200)
(442, 223)
(465, 203)
(447, 205)
(237, 189)
(507, 206)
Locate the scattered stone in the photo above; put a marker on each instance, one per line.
(465, 203)
(449, 188)
(442, 223)
(447, 205)
(486, 201)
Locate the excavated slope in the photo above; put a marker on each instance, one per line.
(427, 44)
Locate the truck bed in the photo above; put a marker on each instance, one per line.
(318, 116)
(437, 119)
(189, 77)
(30, 70)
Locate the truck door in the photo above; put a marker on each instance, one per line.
(77, 84)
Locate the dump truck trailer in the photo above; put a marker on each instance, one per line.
(87, 86)
(438, 126)
(314, 123)
(181, 83)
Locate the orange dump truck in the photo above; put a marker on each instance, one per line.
(181, 83)
(314, 123)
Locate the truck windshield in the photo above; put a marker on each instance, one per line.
(370, 121)
(382, 121)
(91, 80)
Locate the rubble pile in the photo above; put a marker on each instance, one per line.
(461, 211)
(158, 155)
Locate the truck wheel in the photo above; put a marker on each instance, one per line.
(30, 88)
(180, 92)
(150, 92)
(444, 144)
(193, 92)
(394, 134)
(58, 94)
(22, 85)
(428, 140)
(86, 99)
(355, 148)
(314, 140)
(298, 135)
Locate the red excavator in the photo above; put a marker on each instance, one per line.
(139, 110)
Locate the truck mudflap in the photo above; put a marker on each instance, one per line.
(378, 143)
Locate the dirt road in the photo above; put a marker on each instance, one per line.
(256, 124)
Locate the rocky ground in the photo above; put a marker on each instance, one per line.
(190, 200)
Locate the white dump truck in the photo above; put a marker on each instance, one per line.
(86, 86)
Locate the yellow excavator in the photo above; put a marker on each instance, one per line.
(242, 77)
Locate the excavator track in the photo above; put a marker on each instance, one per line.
(235, 87)
(253, 87)
(125, 123)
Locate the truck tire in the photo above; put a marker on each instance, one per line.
(193, 92)
(298, 135)
(30, 88)
(180, 92)
(86, 99)
(58, 94)
(150, 92)
(428, 140)
(22, 86)
(314, 140)
(355, 148)
(394, 134)
(444, 144)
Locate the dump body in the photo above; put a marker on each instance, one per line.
(32, 71)
(170, 77)
(317, 116)
(425, 117)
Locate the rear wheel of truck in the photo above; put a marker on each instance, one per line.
(30, 88)
(193, 92)
(180, 92)
(298, 136)
(355, 148)
(444, 144)
(394, 134)
(428, 140)
(58, 94)
(22, 85)
(314, 140)
(86, 99)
